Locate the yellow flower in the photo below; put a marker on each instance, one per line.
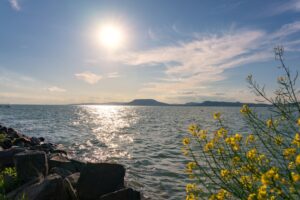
(292, 189)
(262, 158)
(269, 123)
(272, 198)
(296, 140)
(298, 121)
(222, 132)
(191, 165)
(220, 150)
(217, 116)
(289, 152)
(190, 187)
(245, 109)
(236, 160)
(191, 196)
(278, 140)
(233, 142)
(209, 146)
(213, 197)
(185, 152)
(202, 134)
(262, 192)
(250, 139)
(230, 140)
(291, 165)
(251, 154)
(246, 181)
(186, 141)
(251, 196)
(264, 179)
(295, 177)
(298, 160)
(222, 194)
(269, 176)
(225, 173)
(193, 129)
(238, 137)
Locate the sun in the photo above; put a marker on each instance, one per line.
(111, 36)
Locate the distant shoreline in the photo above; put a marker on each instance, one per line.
(153, 102)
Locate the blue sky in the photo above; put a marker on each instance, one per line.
(174, 51)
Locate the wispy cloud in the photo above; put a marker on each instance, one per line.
(113, 75)
(15, 5)
(285, 6)
(89, 77)
(56, 89)
(193, 65)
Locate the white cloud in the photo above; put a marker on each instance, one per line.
(56, 89)
(15, 5)
(113, 75)
(284, 6)
(89, 77)
(203, 60)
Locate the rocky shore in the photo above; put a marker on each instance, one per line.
(34, 169)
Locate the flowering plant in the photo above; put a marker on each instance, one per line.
(263, 164)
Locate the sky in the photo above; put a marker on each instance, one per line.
(52, 52)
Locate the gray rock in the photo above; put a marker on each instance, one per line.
(17, 191)
(34, 141)
(73, 179)
(123, 194)
(21, 141)
(13, 134)
(6, 143)
(50, 188)
(3, 130)
(31, 164)
(6, 157)
(61, 162)
(60, 171)
(97, 179)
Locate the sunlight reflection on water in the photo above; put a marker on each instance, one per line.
(107, 123)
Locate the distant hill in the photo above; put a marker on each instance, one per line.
(146, 102)
(153, 102)
(223, 103)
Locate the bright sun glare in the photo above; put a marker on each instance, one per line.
(111, 36)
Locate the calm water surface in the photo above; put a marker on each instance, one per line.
(147, 140)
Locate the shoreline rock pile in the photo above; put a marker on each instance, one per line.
(44, 172)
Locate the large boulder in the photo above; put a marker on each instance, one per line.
(6, 157)
(97, 179)
(50, 188)
(123, 194)
(31, 164)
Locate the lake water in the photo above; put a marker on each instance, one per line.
(147, 140)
